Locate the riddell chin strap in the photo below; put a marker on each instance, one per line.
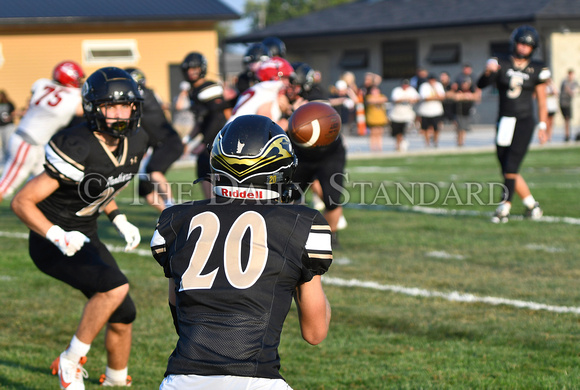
(245, 193)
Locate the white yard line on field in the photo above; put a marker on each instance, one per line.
(454, 212)
(412, 291)
(451, 296)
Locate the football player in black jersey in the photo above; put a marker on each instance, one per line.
(86, 166)
(276, 46)
(321, 169)
(165, 143)
(253, 58)
(235, 263)
(518, 79)
(210, 108)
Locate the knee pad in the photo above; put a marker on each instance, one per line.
(145, 187)
(125, 313)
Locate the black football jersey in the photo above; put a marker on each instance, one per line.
(236, 265)
(89, 174)
(516, 86)
(154, 121)
(245, 81)
(208, 105)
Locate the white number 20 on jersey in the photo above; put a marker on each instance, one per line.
(238, 277)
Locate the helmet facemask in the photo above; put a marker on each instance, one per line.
(103, 92)
(118, 127)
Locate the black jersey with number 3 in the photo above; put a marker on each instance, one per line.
(516, 86)
(236, 265)
(89, 175)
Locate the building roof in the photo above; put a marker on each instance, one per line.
(78, 11)
(369, 16)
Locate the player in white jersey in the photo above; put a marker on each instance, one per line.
(52, 106)
(268, 97)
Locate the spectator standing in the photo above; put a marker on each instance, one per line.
(356, 113)
(431, 109)
(53, 105)
(376, 117)
(7, 116)
(568, 89)
(370, 80)
(421, 76)
(466, 73)
(344, 101)
(402, 114)
(552, 106)
(449, 107)
(466, 97)
(61, 206)
(518, 79)
(230, 322)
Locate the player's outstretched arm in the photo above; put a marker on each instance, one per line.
(313, 311)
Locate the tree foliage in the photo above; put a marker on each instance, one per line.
(266, 12)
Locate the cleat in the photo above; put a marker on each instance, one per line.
(499, 218)
(534, 213)
(501, 214)
(107, 382)
(70, 374)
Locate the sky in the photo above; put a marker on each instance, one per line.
(239, 26)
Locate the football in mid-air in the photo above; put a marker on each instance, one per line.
(314, 124)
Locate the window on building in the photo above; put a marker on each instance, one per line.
(1, 55)
(399, 59)
(354, 59)
(445, 54)
(110, 50)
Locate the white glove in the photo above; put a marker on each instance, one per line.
(69, 243)
(128, 231)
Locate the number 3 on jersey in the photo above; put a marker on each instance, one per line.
(238, 277)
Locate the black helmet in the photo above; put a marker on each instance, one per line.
(276, 46)
(524, 34)
(256, 52)
(137, 75)
(303, 75)
(252, 155)
(194, 60)
(111, 86)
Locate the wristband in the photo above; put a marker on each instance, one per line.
(542, 126)
(113, 214)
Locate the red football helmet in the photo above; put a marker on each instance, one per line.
(274, 69)
(69, 74)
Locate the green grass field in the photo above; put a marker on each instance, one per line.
(394, 287)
